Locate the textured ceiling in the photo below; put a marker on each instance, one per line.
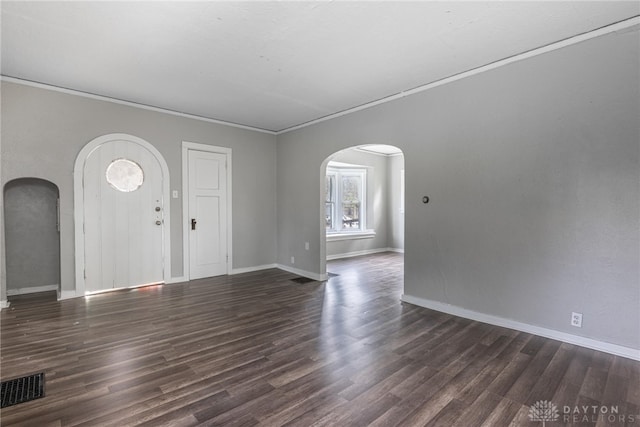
(275, 65)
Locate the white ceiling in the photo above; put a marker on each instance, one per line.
(275, 65)
(387, 150)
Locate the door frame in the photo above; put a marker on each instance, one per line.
(194, 146)
(78, 203)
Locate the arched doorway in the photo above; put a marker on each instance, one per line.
(362, 202)
(32, 236)
(121, 204)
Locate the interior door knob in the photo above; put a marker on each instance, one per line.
(157, 208)
(158, 222)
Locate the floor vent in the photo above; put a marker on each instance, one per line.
(22, 390)
(302, 280)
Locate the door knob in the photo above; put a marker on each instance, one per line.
(158, 222)
(193, 223)
(157, 208)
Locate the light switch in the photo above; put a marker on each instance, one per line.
(175, 194)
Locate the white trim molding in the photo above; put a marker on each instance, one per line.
(75, 92)
(78, 203)
(606, 347)
(194, 146)
(32, 290)
(69, 294)
(4, 304)
(254, 268)
(363, 149)
(618, 26)
(303, 273)
(233, 271)
(350, 235)
(360, 253)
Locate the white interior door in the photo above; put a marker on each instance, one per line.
(123, 216)
(207, 214)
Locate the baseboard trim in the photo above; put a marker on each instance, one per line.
(606, 347)
(4, 304)
(365, 252)
(68, 295)
(176, 280)
(232, 272)
(252, 269)
(303, 273)
(32, 290)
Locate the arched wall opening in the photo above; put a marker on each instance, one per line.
(32, 236)
(361, 202)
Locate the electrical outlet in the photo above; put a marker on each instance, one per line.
(293, 260)
(576, 319)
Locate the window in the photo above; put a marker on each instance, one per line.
(345, 205)
(124, 175)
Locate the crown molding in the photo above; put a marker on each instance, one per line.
(621, 26)
(45, 86)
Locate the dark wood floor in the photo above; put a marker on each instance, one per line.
(259, 349)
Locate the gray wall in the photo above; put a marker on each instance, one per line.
(3, 258)
(532, 170)
(32, 242)
(43, 131)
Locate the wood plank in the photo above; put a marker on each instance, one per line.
(522, 387)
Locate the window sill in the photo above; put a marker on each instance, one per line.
(351, 235)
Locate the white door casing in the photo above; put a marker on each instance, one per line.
(207, 214)
(207, 200)
(122, 237)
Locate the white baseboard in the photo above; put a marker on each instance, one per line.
(233, 271)
(252, 269)
(606, 347)
(303, 273)
(364, 252)
(32, 290)
(68, 295)
(4, 304)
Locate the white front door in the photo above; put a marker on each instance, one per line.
(207, 214)
(123, 216)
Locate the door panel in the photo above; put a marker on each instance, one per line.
(207, 173)
(208, 248)
(123, 229)
(208, 207)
